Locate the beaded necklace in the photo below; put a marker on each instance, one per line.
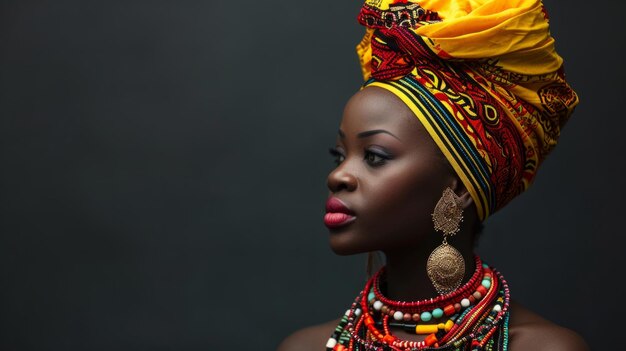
(475, 317)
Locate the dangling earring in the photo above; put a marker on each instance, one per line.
(445, 265)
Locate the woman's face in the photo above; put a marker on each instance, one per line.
(390, 175)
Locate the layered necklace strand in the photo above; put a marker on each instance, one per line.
(473, 317)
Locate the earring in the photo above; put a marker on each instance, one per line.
(445, 265)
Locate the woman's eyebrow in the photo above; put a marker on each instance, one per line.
(375, 131)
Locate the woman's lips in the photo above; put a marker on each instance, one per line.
(338, 213)
(336, 220)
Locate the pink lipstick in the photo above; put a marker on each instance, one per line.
(338, 213)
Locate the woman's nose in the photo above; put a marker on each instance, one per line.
(341, 179)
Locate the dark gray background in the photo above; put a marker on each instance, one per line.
(163, 169)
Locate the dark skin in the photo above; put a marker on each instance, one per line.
(391, 174)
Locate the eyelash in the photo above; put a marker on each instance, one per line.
(383, 157)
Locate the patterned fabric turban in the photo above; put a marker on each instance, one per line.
(484, 79)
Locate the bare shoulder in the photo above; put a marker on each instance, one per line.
(309, 339)
(529, 331)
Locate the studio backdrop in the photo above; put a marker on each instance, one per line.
(163, 175)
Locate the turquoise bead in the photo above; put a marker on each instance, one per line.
(426, 316)
(371, 296)
(486, 283)
(437, 313)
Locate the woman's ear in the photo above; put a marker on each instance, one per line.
(461, 191)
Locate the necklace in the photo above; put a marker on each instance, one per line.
(475, 316)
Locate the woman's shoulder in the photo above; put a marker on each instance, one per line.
(312, 338)
(529, 331)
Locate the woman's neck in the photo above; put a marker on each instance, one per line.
(406, 276)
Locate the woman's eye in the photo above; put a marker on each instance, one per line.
(339, 157)
(375, 159)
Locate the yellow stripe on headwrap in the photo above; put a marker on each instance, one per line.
(438, 133)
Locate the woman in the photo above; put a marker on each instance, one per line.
(462, 102)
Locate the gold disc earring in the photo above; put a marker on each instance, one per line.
(445, 265)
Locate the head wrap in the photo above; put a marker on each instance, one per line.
(483, 78)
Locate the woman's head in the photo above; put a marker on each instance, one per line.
(451, 82)
(390, 174)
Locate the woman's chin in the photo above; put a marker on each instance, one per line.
(346, 242)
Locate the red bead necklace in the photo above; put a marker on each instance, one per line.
(442, 301)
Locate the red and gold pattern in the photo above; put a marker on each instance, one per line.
(492, 99)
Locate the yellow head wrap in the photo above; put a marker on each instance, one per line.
(484, 79)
